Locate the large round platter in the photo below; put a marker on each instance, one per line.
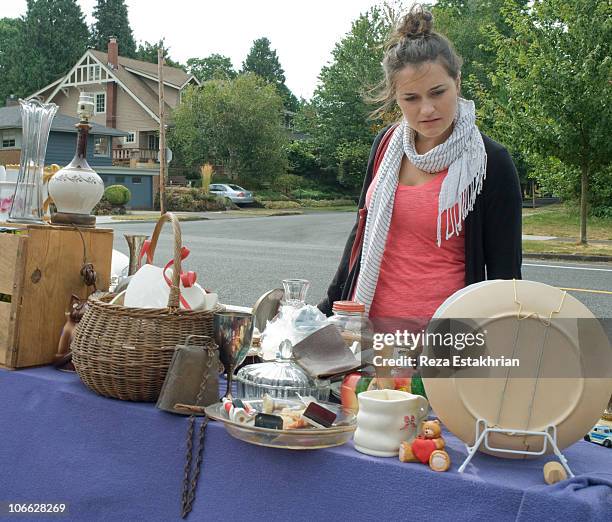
(532, 397)
(299, 439)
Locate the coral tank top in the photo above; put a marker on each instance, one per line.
(416, 275)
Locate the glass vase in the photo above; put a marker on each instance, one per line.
(36, 118)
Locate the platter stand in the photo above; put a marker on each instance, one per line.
(549, 436)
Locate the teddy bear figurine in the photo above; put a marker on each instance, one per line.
(427, 448)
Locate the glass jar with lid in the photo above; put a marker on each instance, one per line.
(355, 328)
(282, 378)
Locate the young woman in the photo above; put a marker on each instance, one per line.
(442, 200)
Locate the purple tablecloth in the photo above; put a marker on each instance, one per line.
(113, 460)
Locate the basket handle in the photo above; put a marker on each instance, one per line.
(173, 298)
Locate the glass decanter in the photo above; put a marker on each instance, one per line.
(295, 292)
(36, 119)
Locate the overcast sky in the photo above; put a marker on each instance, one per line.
(303, 33)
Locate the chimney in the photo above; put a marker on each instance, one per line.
(113, 53)
(111, 87)
(11, 101)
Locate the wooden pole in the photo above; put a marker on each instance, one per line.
(162, 130)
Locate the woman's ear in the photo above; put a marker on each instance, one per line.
(458, 84)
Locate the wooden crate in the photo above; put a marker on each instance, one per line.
(40, 269)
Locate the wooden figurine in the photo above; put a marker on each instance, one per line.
(427, 448)
(63, 357)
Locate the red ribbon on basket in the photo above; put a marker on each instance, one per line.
(188, 279)
(145, 250)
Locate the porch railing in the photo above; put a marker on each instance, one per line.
(124, 155)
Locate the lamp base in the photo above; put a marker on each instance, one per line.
(67, 218)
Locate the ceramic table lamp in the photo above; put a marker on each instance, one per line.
(76, 189)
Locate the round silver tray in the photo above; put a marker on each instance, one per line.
(298, 439)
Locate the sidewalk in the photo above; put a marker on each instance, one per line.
(144, 216)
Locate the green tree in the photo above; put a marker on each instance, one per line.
(54, 37)
(263, 61)
(147, 52)
(112, 20)
(213, 67)
(11, 66)
(303, 160)
(237, 123)
(338, 116)
(467, 24)
(554, 76)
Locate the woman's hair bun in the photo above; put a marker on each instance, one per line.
(417, 23)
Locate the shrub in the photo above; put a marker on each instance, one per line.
(281, 204)
(258, 203)
(270, 195)
(288, 182)
(304, 193)
(182, 199)
(207, 172)
(601, 193)
(328, 203)
(117, 195)
(103, 208)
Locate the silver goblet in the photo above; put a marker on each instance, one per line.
(135, 243)
(233, 333)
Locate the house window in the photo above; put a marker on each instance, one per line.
(136, 180)
(130, 138)
(119, 179)
(153, 142)
(8, 139)
(100, 102)
(101, 146)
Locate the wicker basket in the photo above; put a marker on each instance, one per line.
(125, 352)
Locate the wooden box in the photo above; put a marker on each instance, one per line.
(39, 271)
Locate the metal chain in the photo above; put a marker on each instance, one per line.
(191, 476)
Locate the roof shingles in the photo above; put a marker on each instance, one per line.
(137, 85)
(10, 118)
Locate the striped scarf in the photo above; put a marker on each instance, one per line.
(464, 155)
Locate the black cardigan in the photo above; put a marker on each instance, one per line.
(493, 245)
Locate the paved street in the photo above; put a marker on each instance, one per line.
(241, 258)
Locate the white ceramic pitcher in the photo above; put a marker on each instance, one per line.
(385, 419)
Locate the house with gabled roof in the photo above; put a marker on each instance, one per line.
(126, 98)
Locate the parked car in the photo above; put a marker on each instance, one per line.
(234, 192)
(600, 435)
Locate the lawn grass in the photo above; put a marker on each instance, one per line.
(566, 247)
(558, 221)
